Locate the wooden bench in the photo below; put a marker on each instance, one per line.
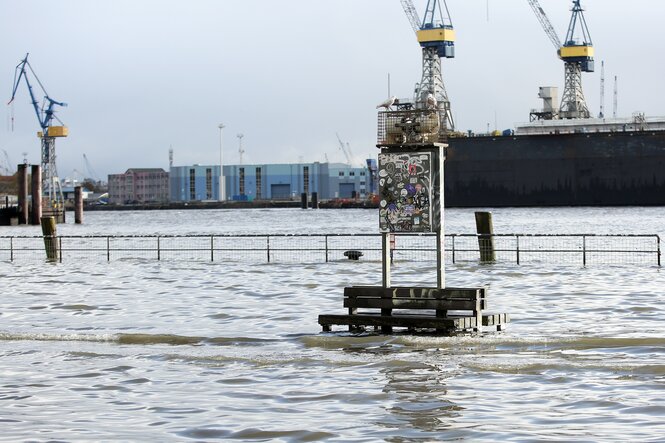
(451, 309)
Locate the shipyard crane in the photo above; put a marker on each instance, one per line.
(346, 152)
(577, 53)
(436, 36)
(91, 172)
(52, 191)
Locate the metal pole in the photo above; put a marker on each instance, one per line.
(212, 248)
(268, 246)
(385, 246)
(108, 249)
(326, 237)
(222, 184)
(658, 240)
(584, 250)
(159, 252)
(517, 240)
(453, 247)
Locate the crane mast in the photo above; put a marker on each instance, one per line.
(53, 199)
(436, 36)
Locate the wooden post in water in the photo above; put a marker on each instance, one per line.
(50, 238)
(78, 205)
(485, 230)
(22, 177)
(315, 200)
(303, 200)
(36, 187)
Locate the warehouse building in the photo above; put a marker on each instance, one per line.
(269, 181)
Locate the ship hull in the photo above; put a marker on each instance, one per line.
(581, 169)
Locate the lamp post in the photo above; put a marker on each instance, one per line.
(222, 184)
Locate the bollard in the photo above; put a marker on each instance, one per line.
(485, 230)
(50, 238)
(78, 205)
(303, 200)
(22, 177)
(36, 188)
(315, 200)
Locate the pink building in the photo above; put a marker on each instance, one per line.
(139, 185)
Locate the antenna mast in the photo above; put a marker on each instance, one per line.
(602, 90)
(241, 151)
(616, 96)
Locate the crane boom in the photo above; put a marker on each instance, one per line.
(411, 14)
(44, 116)
(545, 23)
(344, 150)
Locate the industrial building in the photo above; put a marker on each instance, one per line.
(270, 181)
(139, 185)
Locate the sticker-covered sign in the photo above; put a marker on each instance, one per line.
(405, 186)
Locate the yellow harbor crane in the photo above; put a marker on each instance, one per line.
(577, 53)
(436, 37)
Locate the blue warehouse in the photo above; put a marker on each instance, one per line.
(270, 181)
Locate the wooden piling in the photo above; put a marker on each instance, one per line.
(22, 177)
(36, 189)
(303, 200)
(78, 205)
(50, 238)
(315, 200)
(485, 230)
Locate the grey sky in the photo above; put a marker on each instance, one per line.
(140, 76)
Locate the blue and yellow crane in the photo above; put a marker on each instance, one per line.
(577, 53)
(436, 36)
(53, 201)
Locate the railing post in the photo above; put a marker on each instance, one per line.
(268, 246)
(108, 248)
(326, 237)
(658, 242)
(584, 250)
(159, 252)
(212, 248)
(11, 249)
(517, 244)
(453, 247)
(60, 248)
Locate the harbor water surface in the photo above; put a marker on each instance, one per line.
(146, 350)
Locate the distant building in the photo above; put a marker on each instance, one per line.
(269, 181)
(194, 183)
(139, 185)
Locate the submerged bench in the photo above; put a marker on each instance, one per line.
(446, 311)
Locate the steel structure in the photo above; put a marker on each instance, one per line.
(52, 192)
(577, 53)
(436, 36)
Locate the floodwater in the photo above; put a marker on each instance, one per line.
(141, 350)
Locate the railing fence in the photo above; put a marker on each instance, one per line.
(579, 249)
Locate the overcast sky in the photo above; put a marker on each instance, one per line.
(141, 76)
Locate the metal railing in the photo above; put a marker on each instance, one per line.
(579, 249)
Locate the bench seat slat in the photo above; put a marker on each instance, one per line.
(405, 303)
